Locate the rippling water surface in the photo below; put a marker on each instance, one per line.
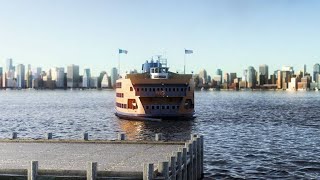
(247, 134)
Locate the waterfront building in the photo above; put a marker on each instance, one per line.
(86, 78)
(286, 78)
(219, 73)
(20, 75)
(245, 75)
(9, 66)
(251, 78)
(209, 79)
(114, 77)
(57, 75)
(105, 81)
(279, 79)
(293, 84)
(29, 78)
(226, 78)
(73, 77)
(304, 70)
(203, 76)
(93, 82)
(316, 71)
(217, 78)
(232, 77)
(242, 84)
(263, 74)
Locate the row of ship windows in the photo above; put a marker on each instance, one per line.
(162, 107)
(161, 89)
(118, 85)
(120, 105)
(120, 95)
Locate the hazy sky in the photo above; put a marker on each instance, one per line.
(230, 35)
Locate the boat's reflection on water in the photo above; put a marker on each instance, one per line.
(146, 130)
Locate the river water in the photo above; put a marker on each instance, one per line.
(263, 135)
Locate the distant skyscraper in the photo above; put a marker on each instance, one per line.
(73, 76)
(245, 75)
(9, 64)
(203, 76)
(316, 71)
(251, 77)
(57, 75)
(279, 79)
(105, 81)
(304, 70)
(1, 77)
(263, 74)
(232, 76)
(219, 73)
(226, 78)
(86, 78)
(114, 77)
(20, 75)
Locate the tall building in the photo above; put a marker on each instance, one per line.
(232, 76)
(203, 76)
(226, 78)
(86, 78)
(316, 71)
(114, 77)
(57, 75)
(263, 74)
(73, 77)
(304, 70)
(219, 73)
(251, 77)
(20, 75)
(279, 79)
(9, 64)
(100, 78)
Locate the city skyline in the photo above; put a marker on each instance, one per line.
(224, 34)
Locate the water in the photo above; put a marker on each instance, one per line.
(273, 135)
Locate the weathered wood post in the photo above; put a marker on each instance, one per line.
(179, 165)
(33, 170)
(173, 169)
(198, 143)
(190, 166)
(14, 135)
(194, 145)
(184, 162)
(49, 136)
(148, 170)
(85, 136)
(92, 170)
(158, 137)
(121, 136)
(164, 170)
(201, 151)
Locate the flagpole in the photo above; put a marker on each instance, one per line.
(184, 65)
(118, 65)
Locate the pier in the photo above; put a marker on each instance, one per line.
(101, 159)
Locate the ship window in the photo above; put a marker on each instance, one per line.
(163, 107)
(166, 89)
(173, 89)
(173, 107)
(168, 107)
(161, 89)
(158, 107)
(181, 89)
(131, 89)
(157, 89)
(152, 107)
(125, 106)
(169, 89)
(141, 89)
(154, 89)
(147, 107)
(189, 88)
(138, 89)
(177, 107)
(150, 89)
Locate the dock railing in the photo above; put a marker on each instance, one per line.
(184, 164)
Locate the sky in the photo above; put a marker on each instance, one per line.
(226, 34)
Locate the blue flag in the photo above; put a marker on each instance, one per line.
(123, 51)
(188, 51)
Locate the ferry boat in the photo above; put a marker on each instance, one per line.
(155, 94)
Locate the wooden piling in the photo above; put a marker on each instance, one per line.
(173, 169)
(121, 136)
(194, 145)
(85, 136)
(33, 170)
(201, 154)
(158, 137)
(198, 144)
(49, 136)
(179, 165)
(148, 170)
(14, 135)
(184, 162)
(92, 170)
(164, 169)
(190, 166)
